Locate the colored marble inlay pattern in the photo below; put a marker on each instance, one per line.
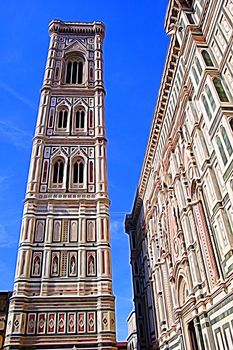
(61, 323)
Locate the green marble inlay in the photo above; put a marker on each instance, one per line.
(228, 171)
(221, 305)
(222, 316)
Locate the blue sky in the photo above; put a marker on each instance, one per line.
(135, 50)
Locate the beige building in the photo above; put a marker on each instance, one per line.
(62, 294)
(180, 228)
(132, 332)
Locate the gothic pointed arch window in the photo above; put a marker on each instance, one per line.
(62, 118)
(226, 140)
(58, 171)
(78, 173)
(195, 75)
(80, 119)
(207, 58)
(210, 97)
(74, 69)
(206, 106)
(198, 65)
(231, 124)
(221, 150)
(183, 291)
(220, 90)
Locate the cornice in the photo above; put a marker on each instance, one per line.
(78, 139)
(66, 198)
(160, 110)
(86, 28)
(70, 91)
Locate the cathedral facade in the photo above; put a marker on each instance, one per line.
(62, 294)
(180, 228)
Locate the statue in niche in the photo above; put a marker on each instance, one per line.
(55, 265)
(91, 266)
(90, 231)
(72, 266)
(36, 267)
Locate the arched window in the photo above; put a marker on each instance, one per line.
(199, 67)
(207, 58)
(80, 73)
(210, 97)
(226, 140)
(78, 172)
(74, 72)
(68, 72)
(220, 90)
(195, 75)
(183, 291)
(221, 150)
(62, 119)
(58, 171)
(80, 119)
(231, 124)
(207, 108)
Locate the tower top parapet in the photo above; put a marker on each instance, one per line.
(72, 27)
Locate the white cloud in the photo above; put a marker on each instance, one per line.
(4, 186)
(116, 225)
(16, 136)
(6, 238)
(116, 229)
(126, 299)
(17, 95)
(3, 178)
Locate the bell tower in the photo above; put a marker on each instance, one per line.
(63, 284)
